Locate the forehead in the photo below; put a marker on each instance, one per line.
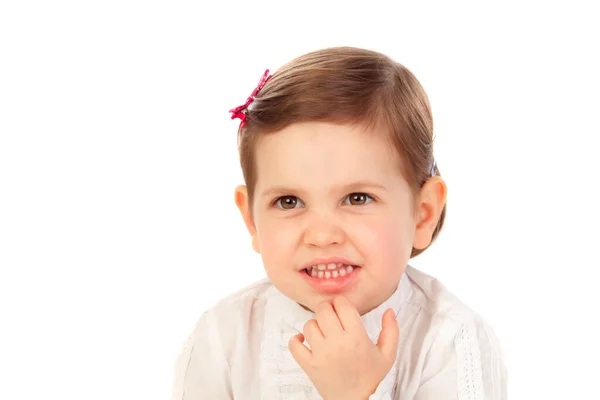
(325, 153)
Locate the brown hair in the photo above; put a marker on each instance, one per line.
(348, 86)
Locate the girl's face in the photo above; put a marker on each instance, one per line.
(332, 213)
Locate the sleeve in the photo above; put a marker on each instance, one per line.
(201, 369)
(464, 364)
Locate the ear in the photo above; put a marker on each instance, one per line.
(243, 204)
(432, 199)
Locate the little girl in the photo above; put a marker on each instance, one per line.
(341, 191)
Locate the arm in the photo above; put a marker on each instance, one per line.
(202, 371)
(465, 364)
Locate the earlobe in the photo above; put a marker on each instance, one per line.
(243, 203)
(431, 203)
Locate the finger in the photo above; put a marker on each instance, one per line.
(313, 333)
(347, 314)
(328, 320)
(388, 337)
(299, 351)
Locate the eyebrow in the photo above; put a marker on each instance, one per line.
(349, 188)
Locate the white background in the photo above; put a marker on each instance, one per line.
(118, 163)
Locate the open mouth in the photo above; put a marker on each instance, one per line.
(330, 271)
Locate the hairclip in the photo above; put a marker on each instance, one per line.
(238, 112)
(433, 169)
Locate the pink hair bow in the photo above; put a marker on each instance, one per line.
(238, 112)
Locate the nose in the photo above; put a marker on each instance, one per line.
(323, 231)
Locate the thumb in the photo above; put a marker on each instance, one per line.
(388, 337)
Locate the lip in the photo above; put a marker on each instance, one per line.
(333, 285)
(330, 260)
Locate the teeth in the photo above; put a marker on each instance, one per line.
(328, 271)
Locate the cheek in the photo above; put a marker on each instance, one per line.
(277, 241)
(385, 241)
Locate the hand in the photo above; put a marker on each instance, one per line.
(343, 363)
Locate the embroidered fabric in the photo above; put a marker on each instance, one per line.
(470, 384)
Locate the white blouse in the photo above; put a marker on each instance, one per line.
(238, 349)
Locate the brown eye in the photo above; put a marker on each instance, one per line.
(358, 199)
(288, 202)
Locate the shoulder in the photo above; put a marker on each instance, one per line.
(432, 297)
(203, 368)
(247, 297)
(238, 311)
(459, 338)
(221, 325)
(442, 308)
(223, 331)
